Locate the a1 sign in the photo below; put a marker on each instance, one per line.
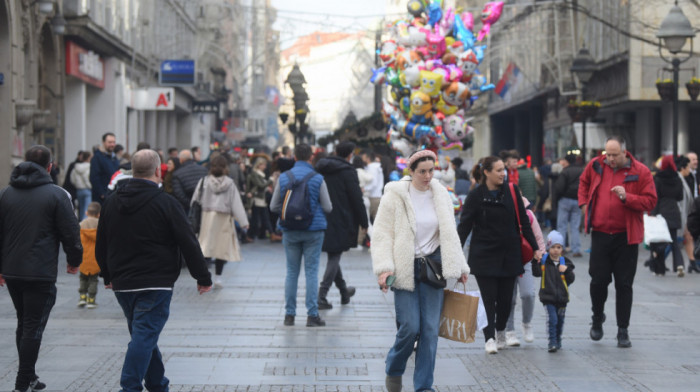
(153, 99)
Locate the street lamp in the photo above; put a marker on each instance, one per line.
(296, 82)
(675, 31)
(583, 68)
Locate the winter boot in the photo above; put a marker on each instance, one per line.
(346, 294)
(323, 303)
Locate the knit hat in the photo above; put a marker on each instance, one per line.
(554, 237)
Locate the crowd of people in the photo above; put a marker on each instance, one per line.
(137, 220)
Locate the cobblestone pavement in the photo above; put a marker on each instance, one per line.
(232, 339)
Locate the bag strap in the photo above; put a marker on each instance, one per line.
(515, 205)
(201, 191)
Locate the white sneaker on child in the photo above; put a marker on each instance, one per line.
(528, 333)
(217, 282)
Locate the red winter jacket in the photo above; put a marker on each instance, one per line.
(640, 194)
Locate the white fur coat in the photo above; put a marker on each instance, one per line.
(395, 231)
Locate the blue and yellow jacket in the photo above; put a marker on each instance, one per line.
(554, 287)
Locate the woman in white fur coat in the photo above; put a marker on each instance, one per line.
(415, 219)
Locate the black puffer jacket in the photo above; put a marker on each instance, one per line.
(35, 215)
(185, 179)
(552, 290)
(142, 235)
(669, 190)
(567, 183)
(348, 208)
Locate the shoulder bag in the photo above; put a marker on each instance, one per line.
(195, 215)
(526, 252)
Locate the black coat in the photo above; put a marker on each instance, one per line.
(669, 190)
(142, 235)
(567, 183)
(553, 291)
(495, 245)
(694, 219)
(35, 215)
(185, 179)
(348, 208)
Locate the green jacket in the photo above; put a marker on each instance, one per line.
(527, 183)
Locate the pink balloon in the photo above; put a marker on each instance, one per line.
(490, 15)
(468, 20)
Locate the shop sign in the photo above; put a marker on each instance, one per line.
(206, 107)
(153, 98)
(85, 65)
(176, 73)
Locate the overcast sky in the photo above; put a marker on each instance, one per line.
(300, 17)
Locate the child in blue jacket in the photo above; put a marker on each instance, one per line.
(557, 274)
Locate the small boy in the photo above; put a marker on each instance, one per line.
(89, 268)
(557, 274)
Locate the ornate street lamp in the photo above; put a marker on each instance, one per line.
(583, 68)
(296, 82)
(675, 31)
(58, 23)
(45, 6)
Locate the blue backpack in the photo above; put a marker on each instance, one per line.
(296, 205)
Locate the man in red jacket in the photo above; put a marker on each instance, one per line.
(616, 190)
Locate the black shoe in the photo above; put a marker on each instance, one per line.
(345, 295)
(693, 267)
(323, 304)
(597, 328)
(288, 320)
(552, 348)
(623, 338)
(315, 321)
(37, 385)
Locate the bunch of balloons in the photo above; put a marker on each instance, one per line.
(431, 64)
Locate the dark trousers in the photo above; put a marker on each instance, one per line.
(611, 256)
(88, 285)
(497, 294)
(659, 254)
(219, 266)
(259, 222)
(333, 274)
(33, 301)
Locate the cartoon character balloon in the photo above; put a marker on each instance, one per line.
(490, 15)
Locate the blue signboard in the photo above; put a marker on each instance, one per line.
(177, 73)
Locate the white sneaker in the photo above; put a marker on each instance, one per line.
(491, 347)
(680, 271)
(501, 339)
(512, 339)
(217, 282)
(528, 333)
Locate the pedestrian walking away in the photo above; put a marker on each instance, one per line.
(142, 235)
(415, 220)
(89, 269)
(494, 253)
(669, 192)
(221, 204)
(306, 241)
(35, 216)
(186, 178)
(344, 221)
(616, 190)
(568, 211)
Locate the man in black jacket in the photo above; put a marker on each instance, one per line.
(141, 236)
(568, 212)
(185, 179)
(343, 222)
(35, 215)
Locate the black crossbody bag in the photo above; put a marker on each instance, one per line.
(431, 272)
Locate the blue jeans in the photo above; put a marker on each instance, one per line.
(418, 317)
(555, 323)
(84, 198)
(569, 218)
(146, 313)
(298, 243)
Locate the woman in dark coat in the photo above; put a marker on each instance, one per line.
(669, 190)
(494, 253)
(347, 216)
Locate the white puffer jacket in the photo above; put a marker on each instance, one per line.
(395, 231)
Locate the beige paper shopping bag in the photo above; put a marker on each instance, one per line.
(458, 320)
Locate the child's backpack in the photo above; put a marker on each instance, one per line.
(296, 206)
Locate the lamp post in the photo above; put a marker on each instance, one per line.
(675, 31)
(583, 68)
(296, 82)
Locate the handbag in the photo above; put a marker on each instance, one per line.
(526, 252)
(431, 272)
(195, 215)
(656, 230)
